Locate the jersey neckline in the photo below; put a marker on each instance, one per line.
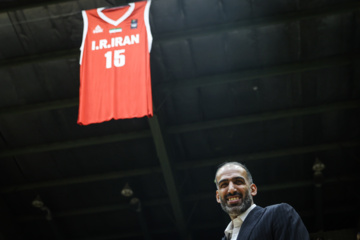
(121, 19)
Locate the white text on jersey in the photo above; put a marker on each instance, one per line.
(115, 42)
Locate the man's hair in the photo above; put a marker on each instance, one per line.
(249, 176)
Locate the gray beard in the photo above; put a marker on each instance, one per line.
(234, 211)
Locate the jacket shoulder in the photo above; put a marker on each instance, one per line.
(280, 206)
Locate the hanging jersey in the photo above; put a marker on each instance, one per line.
(115, 81)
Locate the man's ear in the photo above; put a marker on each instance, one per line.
(217, 196)
(253, 188)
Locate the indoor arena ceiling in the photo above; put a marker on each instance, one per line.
(273, 84)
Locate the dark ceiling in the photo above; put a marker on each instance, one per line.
(273, 84)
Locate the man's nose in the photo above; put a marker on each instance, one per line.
(232, 188)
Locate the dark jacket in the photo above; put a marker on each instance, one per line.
(276, 222)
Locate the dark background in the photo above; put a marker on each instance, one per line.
(273, 84)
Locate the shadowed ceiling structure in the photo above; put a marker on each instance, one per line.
(272, 84)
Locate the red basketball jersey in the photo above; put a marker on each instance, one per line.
(115, 81)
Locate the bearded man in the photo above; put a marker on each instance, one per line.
(235, 192)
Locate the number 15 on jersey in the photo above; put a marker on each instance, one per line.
(118, 59)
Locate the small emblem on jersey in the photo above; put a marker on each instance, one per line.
(133, 23)
(98, 29)
(115, 30)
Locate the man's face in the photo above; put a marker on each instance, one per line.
(235, 192)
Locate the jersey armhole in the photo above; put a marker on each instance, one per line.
(85, 21)
(147, 24)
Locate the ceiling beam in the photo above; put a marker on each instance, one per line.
(182, 166)
(75, 143)
(204, 227)
(190, 198)
(82, 179)
(269, 154)
(213, 29)
(265, 116)
(198, 82)
(38, 58)
(292, 16)
(180, 128)
(244, 75)
(263, 72)
(40, 107)
(16, 6)
(168, 173)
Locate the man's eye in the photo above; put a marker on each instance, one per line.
(223, 185)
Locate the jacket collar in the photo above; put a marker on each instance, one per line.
(250, 222)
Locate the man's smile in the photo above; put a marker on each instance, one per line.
(233, 198)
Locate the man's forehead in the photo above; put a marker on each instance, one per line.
(231, 171)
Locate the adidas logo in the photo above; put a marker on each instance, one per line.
(98, 29)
